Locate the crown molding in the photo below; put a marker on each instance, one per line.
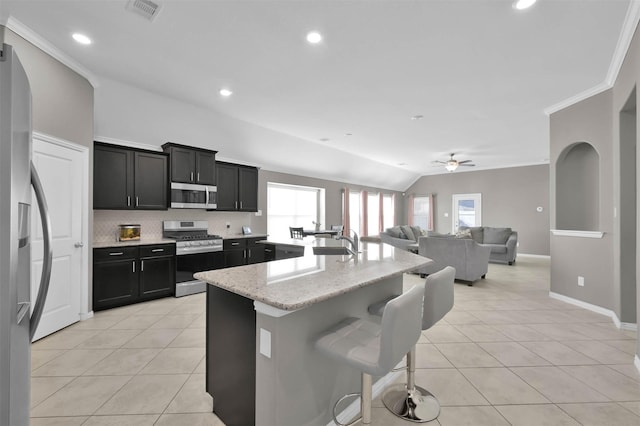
(624, 41)
(130, 144)
(41, 43)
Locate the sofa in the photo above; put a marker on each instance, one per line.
(404, 236)
(470, 259)
(503, 242)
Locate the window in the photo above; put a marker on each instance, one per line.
(373, 214)
(421, 212)
(354, 211)
(369, 224)
(292, 205)
(388, 211)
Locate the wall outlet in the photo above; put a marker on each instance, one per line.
(228, 225)
(259, 213)
(580, 281)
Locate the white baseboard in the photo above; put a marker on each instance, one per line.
(354, 408)
(597, 309)
(636, 362)
(86, 316)
(539, 256)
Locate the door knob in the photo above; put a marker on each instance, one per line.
(78, 245)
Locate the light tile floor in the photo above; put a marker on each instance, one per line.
(506, 354)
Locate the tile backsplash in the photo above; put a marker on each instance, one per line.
(106, 222)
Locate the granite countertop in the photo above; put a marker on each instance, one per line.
(292, 284)
(141, 242)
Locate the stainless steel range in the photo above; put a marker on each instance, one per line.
(196, 251)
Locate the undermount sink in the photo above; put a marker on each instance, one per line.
(339, 251)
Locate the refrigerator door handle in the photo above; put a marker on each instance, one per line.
(48, 254)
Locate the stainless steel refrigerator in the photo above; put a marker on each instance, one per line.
(18, 316)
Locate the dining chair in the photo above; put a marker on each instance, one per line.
(296, 233)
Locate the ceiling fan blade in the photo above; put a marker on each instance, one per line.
(465, 161)
(439, 162)
(467, 165)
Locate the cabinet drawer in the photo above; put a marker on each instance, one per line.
(253, 242)
(158, 250)
(114, 253)
(234, 243)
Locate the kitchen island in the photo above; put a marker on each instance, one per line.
(262, 321)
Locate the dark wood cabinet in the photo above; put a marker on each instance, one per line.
(125, 275)
(243, 251)
(237, 187)
(115, 277)
(157, 270)
(191, 165)
(125, 179)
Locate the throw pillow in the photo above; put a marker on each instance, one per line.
(477, 233)
(496, 235)
(406, 229)
(464, 233)
(417, 232)
(395, 232)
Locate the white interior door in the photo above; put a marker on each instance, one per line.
(467, 210)
(62, 173)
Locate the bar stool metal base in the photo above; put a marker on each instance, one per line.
(417, 405)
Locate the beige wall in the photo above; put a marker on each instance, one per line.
(62, 105)
(597, 120)
(510, 197)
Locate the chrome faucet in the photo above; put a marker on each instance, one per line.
(354, 241)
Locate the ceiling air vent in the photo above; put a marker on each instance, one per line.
(144, 8)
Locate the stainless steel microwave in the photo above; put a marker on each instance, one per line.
(193, 196)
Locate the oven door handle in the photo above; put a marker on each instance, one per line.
(206, 199)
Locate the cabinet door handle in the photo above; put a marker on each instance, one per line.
(142, 266)
(191, 177)
(267, 250)
(116, 253)
(235, 244)
(137, 201)
(240, 205)
(236, 205)
(134, 265)
(244, 253)
(128, 200)
(198, 176)
(157, 250)
(249, 253)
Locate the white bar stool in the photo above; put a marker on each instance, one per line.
(409, 401)
(375, 348)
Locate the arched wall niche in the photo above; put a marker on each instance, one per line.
(578, 188)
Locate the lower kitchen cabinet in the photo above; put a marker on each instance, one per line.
(243, 251)
(124, 275)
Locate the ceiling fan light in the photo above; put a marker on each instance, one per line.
(451, 165)
(523, 4)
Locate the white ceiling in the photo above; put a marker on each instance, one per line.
(480, 72)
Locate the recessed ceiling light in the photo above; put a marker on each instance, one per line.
(402, 164)
(324, 139)
(348, 134)
(314, 37)
(523, 4)
(417, 117)
(226, 92)
(81, 38)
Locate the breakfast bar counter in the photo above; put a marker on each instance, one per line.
(262, 320)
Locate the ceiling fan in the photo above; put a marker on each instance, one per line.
(453, 164)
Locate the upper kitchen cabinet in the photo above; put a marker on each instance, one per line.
(237, 187)
(125, 178)
(191, 165)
